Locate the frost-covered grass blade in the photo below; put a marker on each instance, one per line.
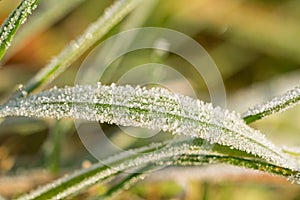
(112, 16)
(51, 11)
(156, 109)
(13, 22)
(173, 152)
(277, 104)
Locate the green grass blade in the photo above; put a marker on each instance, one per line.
(196, 159)
(13, 22)
(51, 12)
(75, 49)
(277, 104)
(53, 145)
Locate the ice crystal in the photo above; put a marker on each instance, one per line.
(277, 104)
(12, 23)
(156, 109)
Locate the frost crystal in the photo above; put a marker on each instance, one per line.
(156, 109)
(278, 104)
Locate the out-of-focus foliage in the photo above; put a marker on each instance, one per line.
(255, 45)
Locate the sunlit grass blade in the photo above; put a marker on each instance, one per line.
(13, 22)
(277, 104)
(42, 19)
(112, 16)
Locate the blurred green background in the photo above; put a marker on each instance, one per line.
(255, 45)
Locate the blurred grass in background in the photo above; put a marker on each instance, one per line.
(255, 45)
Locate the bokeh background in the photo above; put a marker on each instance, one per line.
(255, 44)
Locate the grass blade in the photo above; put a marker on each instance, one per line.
(211, 158)
(112, 16)
(175, 152)
(13, 22)
(80, 180)
(277, 104)
(219, 154)
(156, 109)
(41, 20)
